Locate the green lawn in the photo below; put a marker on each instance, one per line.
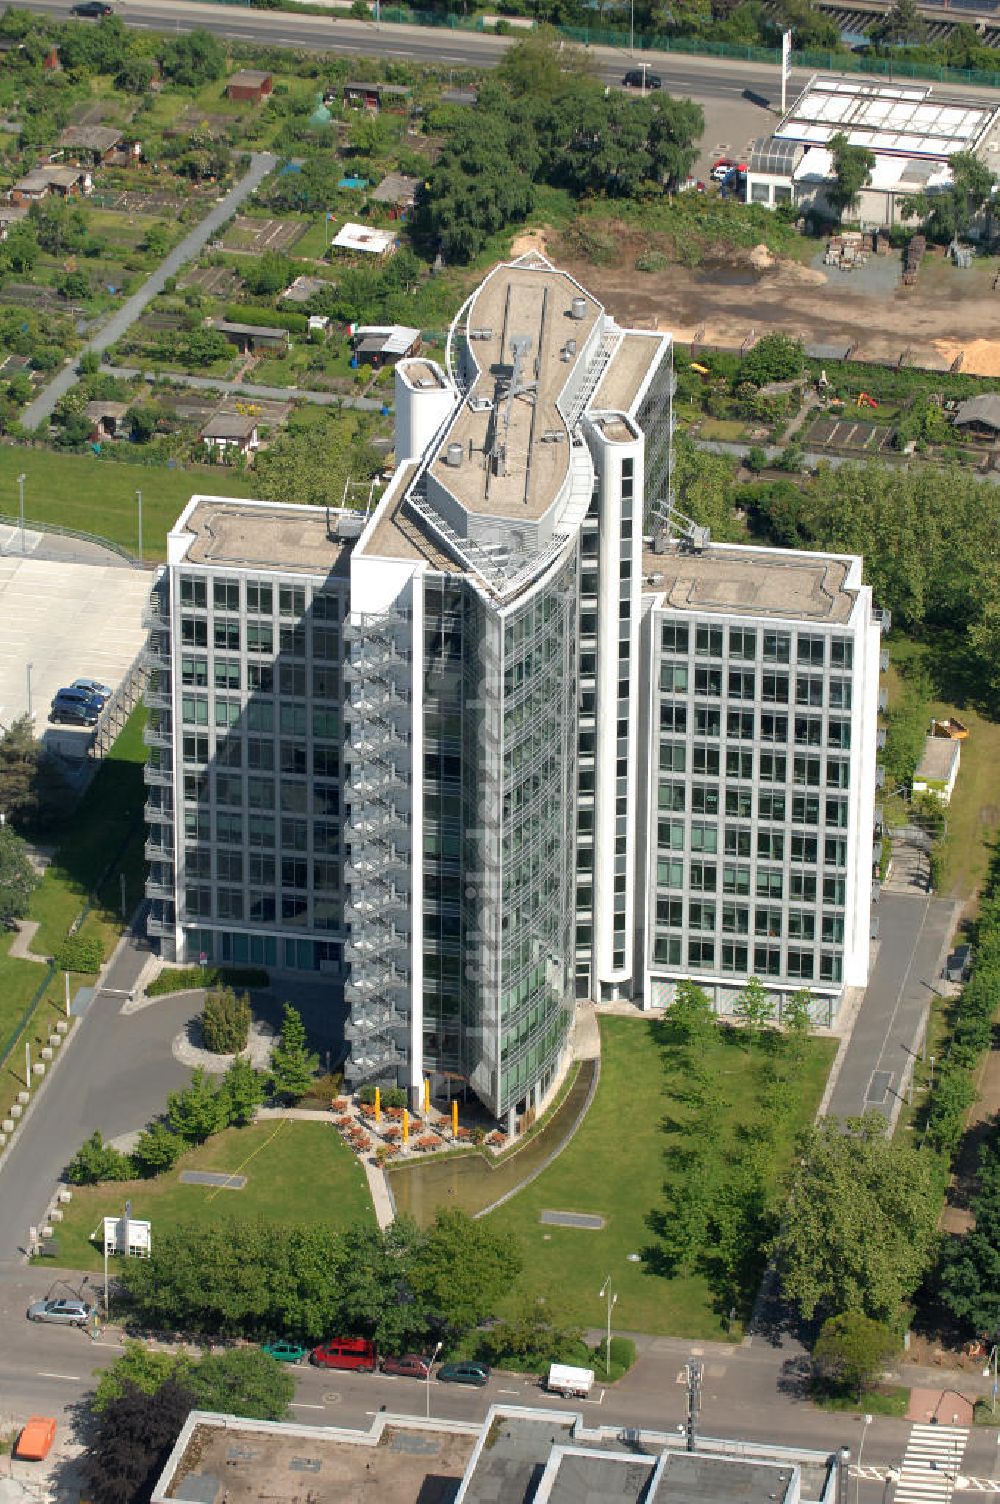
(98, 496)
(296, 1172)
(615, 1168)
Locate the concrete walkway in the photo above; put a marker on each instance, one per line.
(261, 163)
(20, 946)
(252, 389)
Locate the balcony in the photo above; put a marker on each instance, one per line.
(156, 651)
(880, 776)
(156, 888)
(157, 694)
(883, 701)
(158, 775)
(880, 737)
(158, 734)
(377, 1060)
(158, 851)
(157, 814)
(160, 920)
(883, 661)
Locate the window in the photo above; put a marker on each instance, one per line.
(194, 670)
(674, 637)
(292, 720)
(771, 806)
(834, 890)
(260, 869)
(198, 863)
(227, 673)
(194, 632)
(708, 681)
(294, 908)
(326, 876)
(760, 193)
(831, 967)
(673, 717)
(670, 912)
(739, 725)
(773, 767)
(229, 828)
(742, 684)
(771, 845)
(326, 683)
(702, 877)
(742, 642)
(809, 730)
(808, 689)
(671, 796)
(704, 837)
(833, 929)
(704, 799)
(734, 957)
(841, 652)
(836, 813)
(805, 809)
(670, 874)
(777, 647)
(670, 835)
(735, 919)
(294, 834)
(835, 852)
(840, 694)
(839, 734)
(325, 724)
(326, 643)
(262, 907)
(803, 848)
(294, 758)
(326, 608)
(739, 763)
(259, 598)
(707, 721)
(739, 802)
(701, 952)
(326, 799)
(293, 679)
(802, 887)
(701, 914)
(260, 637)
(229, 903)
(197, 826)
(260, 753)
(260, 677)
(838, 773)
(227, 712)
(260, 831)
(198, 903)
(673, 757)
(260, 793)
(194, 710)
(291, 600)
(770, 884)
(292, 640)
(294, 872)
(801, 925)
(738, 842)
(666, 949)
(735, 879)
(193, 592)
(767, 959)
(811, 650)
(708, 642)
(226, 595)
(194, 748)
(294, 797)
(326, 762)
(800, 963)
(705, 760)
(805, 771)
(774, 689)
(228, 789)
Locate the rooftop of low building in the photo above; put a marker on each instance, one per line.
(763, 582)
(268, 536)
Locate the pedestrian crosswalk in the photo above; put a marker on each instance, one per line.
(931, 1464)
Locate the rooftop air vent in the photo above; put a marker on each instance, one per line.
(578, 308)
(480, 404)
(453, 456)
(480, 333)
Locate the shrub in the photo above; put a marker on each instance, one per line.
(268, 318)
(849, 1352)
(183, 979)
(225, 1021)
(157, 1150)
(392, 1097)
(80, 953)
(95, 1160)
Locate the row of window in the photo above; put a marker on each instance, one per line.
(766, 767)
(735, 919)
(256, 597)
(761, 960)
(743, 803)
(710, 641)
(203, 902)
(801, 887)
(230, 634)
(770, 846)
(258, 715)
(748, 726)
(262, 831)
(262, 950)
(815, 690)
(291, 680)
(256, 753)
(262, 869)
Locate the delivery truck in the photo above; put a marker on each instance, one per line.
(573, 1382)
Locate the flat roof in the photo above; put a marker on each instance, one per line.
(421, 374)
(396, 188)
(256, 1465)
(400, 89)
(533, 302)
(906, 119)
(939, 757)
(751, 582)
(695, 1478)
(400, 534)
(264, 535)
(259, 331)
(229, 426)
(251, 77)
(352, 237)
(627, 371)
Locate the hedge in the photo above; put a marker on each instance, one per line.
(80, 953)
(267, 318)
(187, 978)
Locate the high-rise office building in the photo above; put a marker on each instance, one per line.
(453, 753)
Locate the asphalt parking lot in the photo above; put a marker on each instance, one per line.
(68, 621)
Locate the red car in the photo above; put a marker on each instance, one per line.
(345, 1352)
(723, 166)
(409, 1366)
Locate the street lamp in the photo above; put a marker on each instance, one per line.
(138, 497)
(427, 1382)
(28, 668)
(991, 1367)
(866, 1421)
(631, 29)
(612, 1299)
(20, 504)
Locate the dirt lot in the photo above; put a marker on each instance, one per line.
(246, 234)
(942, 316)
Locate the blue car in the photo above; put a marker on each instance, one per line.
(75, 707)
(94, 688)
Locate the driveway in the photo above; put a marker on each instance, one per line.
(261, 163)
(253, 389)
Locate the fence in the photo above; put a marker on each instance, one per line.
(70, 532)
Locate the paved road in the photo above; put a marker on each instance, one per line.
(914, 934)
(118, 1072)
(251, 389)
(261, 163)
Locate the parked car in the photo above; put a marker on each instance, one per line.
(723, 166)
(345, 1352)
(286, 1352)
(76, 707)
(958, 967)
(61, 1312)
(36, 1438)
(639, 78)
(91, 10)
(94, 688)
(409, 1366)
(464, 1373)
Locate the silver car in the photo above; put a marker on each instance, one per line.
(63, 1312)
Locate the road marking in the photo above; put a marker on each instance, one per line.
(301, 1405)
(931, 1464)
(71, 1378)
(508, 1391)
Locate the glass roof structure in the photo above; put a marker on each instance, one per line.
(901, 119)
(779, 158)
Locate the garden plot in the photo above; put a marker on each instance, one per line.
(216, 281)
(850, 436)
(259, 235)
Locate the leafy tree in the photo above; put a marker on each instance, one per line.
(157, 1150)
(902, 24)
(131, 1442)
(28, 782)
(135, 75)
(243, 1381)
(243, 1091)
(268, 274)
(692, 1014)
(947, 213)
(58, 224)
(143, 419)
(194, 59)
(462, 1270)
(755, 1007)
(775, 357)
(796, 1016)
(852, 171)
(20, 250)
(859, 1226)
(529, 1339)
(95, 1161)
(143, 1367)
(197, 1112)
(225, 1021)
(313, 465)
(850, 1351)
(293, 1064)
(18, 879)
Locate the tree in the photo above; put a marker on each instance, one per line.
(195, 59)
(244, 1381)
(95, 1161)
(850, 1351)
(755, 1007)
(901, 25)
(225, 1021)
(157, 1149)
(58, 225)
(131, 1442)
(196, 1112)
(796, 1016)
(462, 1270)
(143, 1367)
(529, 1339)
(859, 1227)
(243, 1090)
(135, 75)
(691, 1013)
(775, 357)
(947, 213)
(18, 879)
(293, 1065)
(852, 171)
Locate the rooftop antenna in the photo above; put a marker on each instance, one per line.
(510, 384)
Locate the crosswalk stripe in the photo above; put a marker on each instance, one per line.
(930, 1464)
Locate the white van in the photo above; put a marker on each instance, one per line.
(575, 1382)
